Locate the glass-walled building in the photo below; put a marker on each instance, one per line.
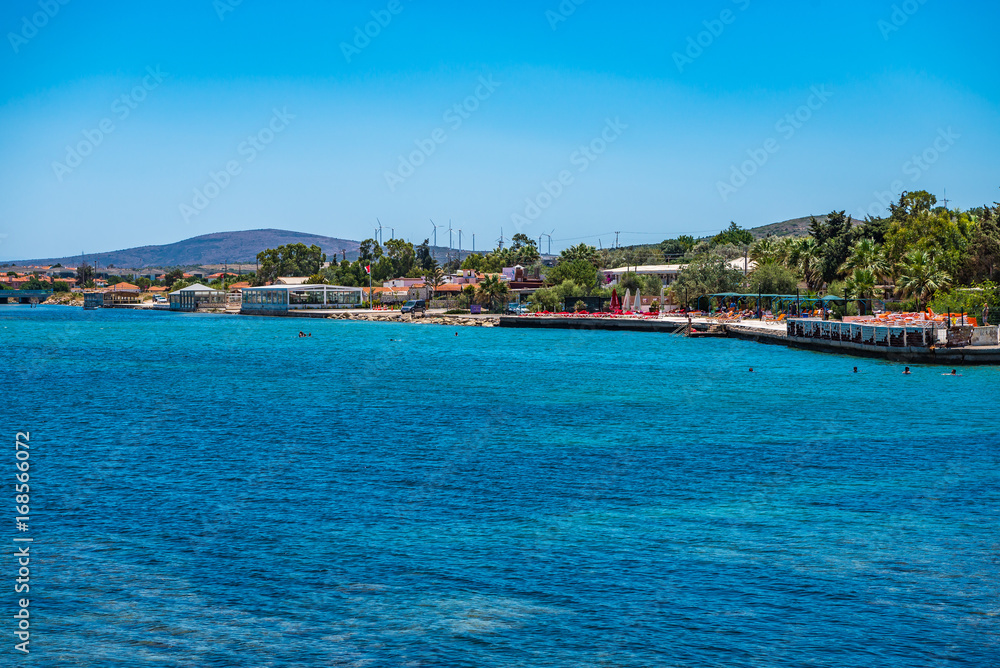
(193, 296)
(283, 298)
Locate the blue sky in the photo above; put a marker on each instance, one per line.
(657, 120)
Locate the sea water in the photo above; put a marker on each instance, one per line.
(217, 491)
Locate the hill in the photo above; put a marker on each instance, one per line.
(796, 227)
(232, 247)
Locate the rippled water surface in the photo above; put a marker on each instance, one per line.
(215, 491)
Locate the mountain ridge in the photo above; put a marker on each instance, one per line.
(242, 246)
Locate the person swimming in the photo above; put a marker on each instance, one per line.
(906, 371)
(855, 369)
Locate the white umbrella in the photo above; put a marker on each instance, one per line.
(638, 302)
(626, 306)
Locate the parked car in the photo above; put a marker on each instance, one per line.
(159, 299)
(514, 308)
(414, 306)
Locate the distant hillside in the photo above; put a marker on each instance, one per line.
(232, 247)
(796, 227)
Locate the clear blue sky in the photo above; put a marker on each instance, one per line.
(922, 82)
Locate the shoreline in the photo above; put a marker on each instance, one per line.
(757, 332)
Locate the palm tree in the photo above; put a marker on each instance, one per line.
(492, 289)
(784, 249)
(868, 255)
(919, 275)
(807, 258)
(764, 251)
(861, 283)
(434, 279)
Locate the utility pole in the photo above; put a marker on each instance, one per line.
(616, 239)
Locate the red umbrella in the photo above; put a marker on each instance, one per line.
(616, 304)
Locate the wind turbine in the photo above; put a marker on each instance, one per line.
(380, 237)
(436, 226)
(549, 235)
(459, 243)
(449, 235)
(500, 240)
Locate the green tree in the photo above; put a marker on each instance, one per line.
(84, 274)
(861, 283)
(369, 250)
(807, 258)
(403, 256)
(173, 276)
(867, 255)
(772, 278)
(707, 275)
(434, 278)
(474, 262)
(920, 276)
(735, 235)
(424, 256)
(492, 291)
(289, 260)
(673, 249)
(983, 254)
(581, 252)
(580, 271)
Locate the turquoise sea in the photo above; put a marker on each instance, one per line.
(216, 491)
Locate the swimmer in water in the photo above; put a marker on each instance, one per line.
(855, 369)
(906, 371)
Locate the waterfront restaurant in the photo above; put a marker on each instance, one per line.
(284, 298)
(193, 296)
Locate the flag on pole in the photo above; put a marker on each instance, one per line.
(368, 269)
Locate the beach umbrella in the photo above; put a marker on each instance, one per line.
(638, 302)
(615, 304)
(628, 297)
